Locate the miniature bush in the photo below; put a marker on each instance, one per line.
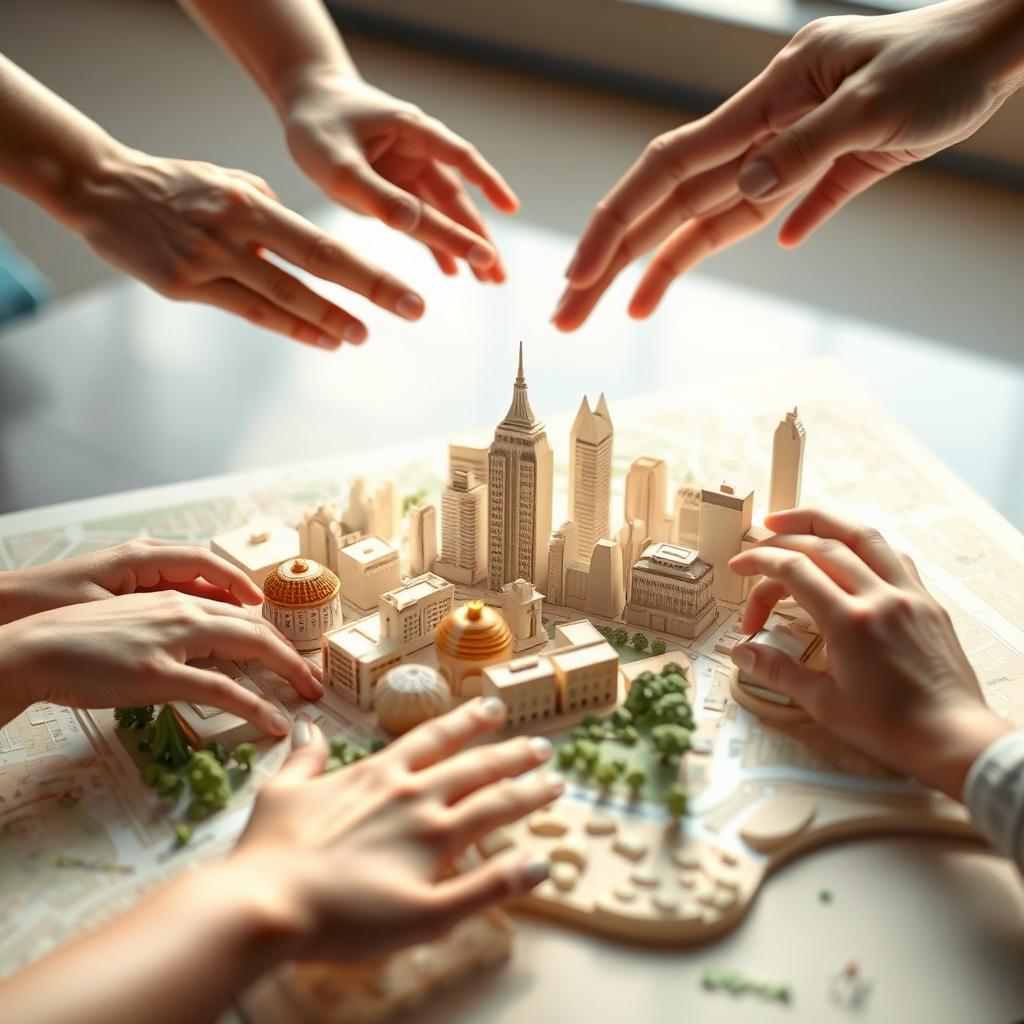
(134, 718)
(636, 780)
(621, 716)
(587, 751)
(244, 755)
(675, 801)
(620, 636)
(580, 732)
(566, 755)
(591, 719)
(629, 735)
(605, 774)
(673, 668)
(596, 732)
(639, 641)
(670, 740)
(209, 784)
(219, 751)
(658, 647)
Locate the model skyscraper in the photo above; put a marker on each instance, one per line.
(787, 463)
(520, 479)
(590, 473)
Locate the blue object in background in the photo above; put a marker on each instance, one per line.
(23, 288)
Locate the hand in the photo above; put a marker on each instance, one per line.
(386, 158)
(132, 650)
(198, 233)
(898, 686)
(361, 861)
(137, 565)
(847, 102)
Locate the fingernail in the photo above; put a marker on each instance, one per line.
(480, 256)
(409, 306)
(555, 783)
(561, 303)
(493, 707)
(743, 658)
(757, 178)
(327, 341)
(571, 269)
(403, 217)
(301, 732)
(534, 871)
(354, 333)
(318, 687)
(541, 747)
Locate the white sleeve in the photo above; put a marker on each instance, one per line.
(994, 795)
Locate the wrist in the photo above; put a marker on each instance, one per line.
(958, 735)
(15, 672)
(8, 598)
(998, 41)
(315, 79)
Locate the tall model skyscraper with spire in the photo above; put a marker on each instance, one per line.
(590, 474)
(520, 475)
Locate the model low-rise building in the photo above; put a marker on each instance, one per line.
(671, 592)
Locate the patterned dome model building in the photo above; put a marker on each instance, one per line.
(408, 695)
(303, 599)
(467, 640)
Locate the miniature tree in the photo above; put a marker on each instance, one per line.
(182, 835)
(580, 732)
(169, 786)
(134, 718)
(244, 755)
(605, 774)
(620, 636)
(673, 668)
(674, 681)
(639, 641)
(675, 801)
(670, 740)
(219, 751)
(658, 647)
(209, 784)
(337, 745)
(636, 780)
(566, 755)
(621, 716)
(586, 752)
(170, 745)
(608, 632)
(629, 735)
(591, 719)
(673, 707)
(596, 732)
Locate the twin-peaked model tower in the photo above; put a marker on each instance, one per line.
(520, 471)
(590, 474)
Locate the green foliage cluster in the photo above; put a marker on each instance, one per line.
(209, 783)
(170, 745)
(715, 979)
(134, 718)
(343, 753)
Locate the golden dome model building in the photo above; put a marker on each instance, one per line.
(303, 599)
(466, 641)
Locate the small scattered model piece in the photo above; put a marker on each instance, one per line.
(590, 473)
(725, 518)
(422, 538)
(360, 652)
(736, 983)
(463, 557)
(520, 470)
(521, 607)
(302, 599)
(787, 463)
(672, 592)
(368, 569)
(408, 695)
(257, 548)
(468, 640)
(646, 496)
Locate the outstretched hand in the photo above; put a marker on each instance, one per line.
(848, 101)
(388, 159)
(898, 685)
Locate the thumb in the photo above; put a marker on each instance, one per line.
(807, 148)
(494, 881)
(308, 754)
(779, 672)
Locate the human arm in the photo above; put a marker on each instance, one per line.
(346, 866)
(847, 102)
(898, 684)
(134, 650)
(372, 152)
(191, 230)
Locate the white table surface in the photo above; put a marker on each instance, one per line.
(121, 389)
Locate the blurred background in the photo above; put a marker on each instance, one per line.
(916, 286)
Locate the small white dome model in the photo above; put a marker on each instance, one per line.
(408, 695)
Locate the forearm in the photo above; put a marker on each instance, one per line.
(15, 673)
(48, 149)
(181, 955)
(280, 43)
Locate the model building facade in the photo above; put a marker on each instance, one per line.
(787, 463)
(368, 569)
(521, 607)
(422, 538)
(520, 479)
(463, 557)
(590, 473)
(725, 518)
(647, 495)
(672, 592)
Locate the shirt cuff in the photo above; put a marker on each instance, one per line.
(994, 794)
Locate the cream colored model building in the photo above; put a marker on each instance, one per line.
(647, 496)
(562, 551)
(469, 452)
(687, 520)
(422, 539)
(463, 557)
(590, 473)
(368, 569)
(587, 676)
(519, 493)
(359, 653)
(521, 606)
(725, 518)
(787, 463)
(672, 592)
(527, 686)
(257, 548)
(632, 541)
(605, 592)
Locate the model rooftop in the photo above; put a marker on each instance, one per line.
(420, 588)
(369, 550)
(672, 560)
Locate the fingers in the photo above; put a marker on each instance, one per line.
(290, 294)
(471, 770)
(813, 589)
(501, 804)
(764, 596)
(206, 686)
(236, 298)
(306, 246)
(779, 672)
(308, 755)
(496, 880)
(441, 737)
(695, 242)
(833, 556)
(808, 147)
(864, 541)
(152, 564)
